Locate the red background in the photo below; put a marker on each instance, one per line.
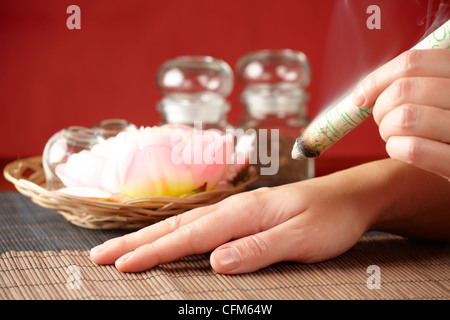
(52, 77)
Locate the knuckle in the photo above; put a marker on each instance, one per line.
(257, 201)
(410, 62)
(401, 89)
(172, 223)
(413, 150)
(187, 230)
(256, 246)
(188, 234)
(250, 199)
(127, 238)
(407, 116)
(258, 194)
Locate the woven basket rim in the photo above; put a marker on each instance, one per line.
(28, 177)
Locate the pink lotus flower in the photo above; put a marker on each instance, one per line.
(152, 161)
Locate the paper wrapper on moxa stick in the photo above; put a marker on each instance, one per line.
(342, 116)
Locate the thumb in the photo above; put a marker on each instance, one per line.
(250, 253)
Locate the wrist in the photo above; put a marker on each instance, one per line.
(371, 191)
(413, 202)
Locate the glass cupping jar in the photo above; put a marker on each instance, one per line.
(275, 101)
(194, 90)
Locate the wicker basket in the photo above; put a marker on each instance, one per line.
(29, 179)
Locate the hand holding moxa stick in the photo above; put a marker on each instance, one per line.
(343, 116)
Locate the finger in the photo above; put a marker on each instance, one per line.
(199, 236)
(111, 250)
(412, 63)
(241, 216)
(310, 236)
(194, 238)
(427, 154)
(417, 120)
(255, 251)
(422, 91)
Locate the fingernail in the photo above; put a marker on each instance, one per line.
(103, 246)
(358, 97)
(227, 258)
(399, 148)
(98, 249)
(125, 257)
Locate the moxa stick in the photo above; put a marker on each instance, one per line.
(342, 116)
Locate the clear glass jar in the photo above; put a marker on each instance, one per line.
(274, 99)
(194, 90)
(111, 127)
(60, 146)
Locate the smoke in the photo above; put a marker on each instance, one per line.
(351, 50)
(434, 17)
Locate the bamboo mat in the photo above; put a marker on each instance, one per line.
(44, 257)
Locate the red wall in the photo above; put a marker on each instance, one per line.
(52, 77)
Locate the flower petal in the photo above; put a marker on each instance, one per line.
(82, 169)
(151, 172)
